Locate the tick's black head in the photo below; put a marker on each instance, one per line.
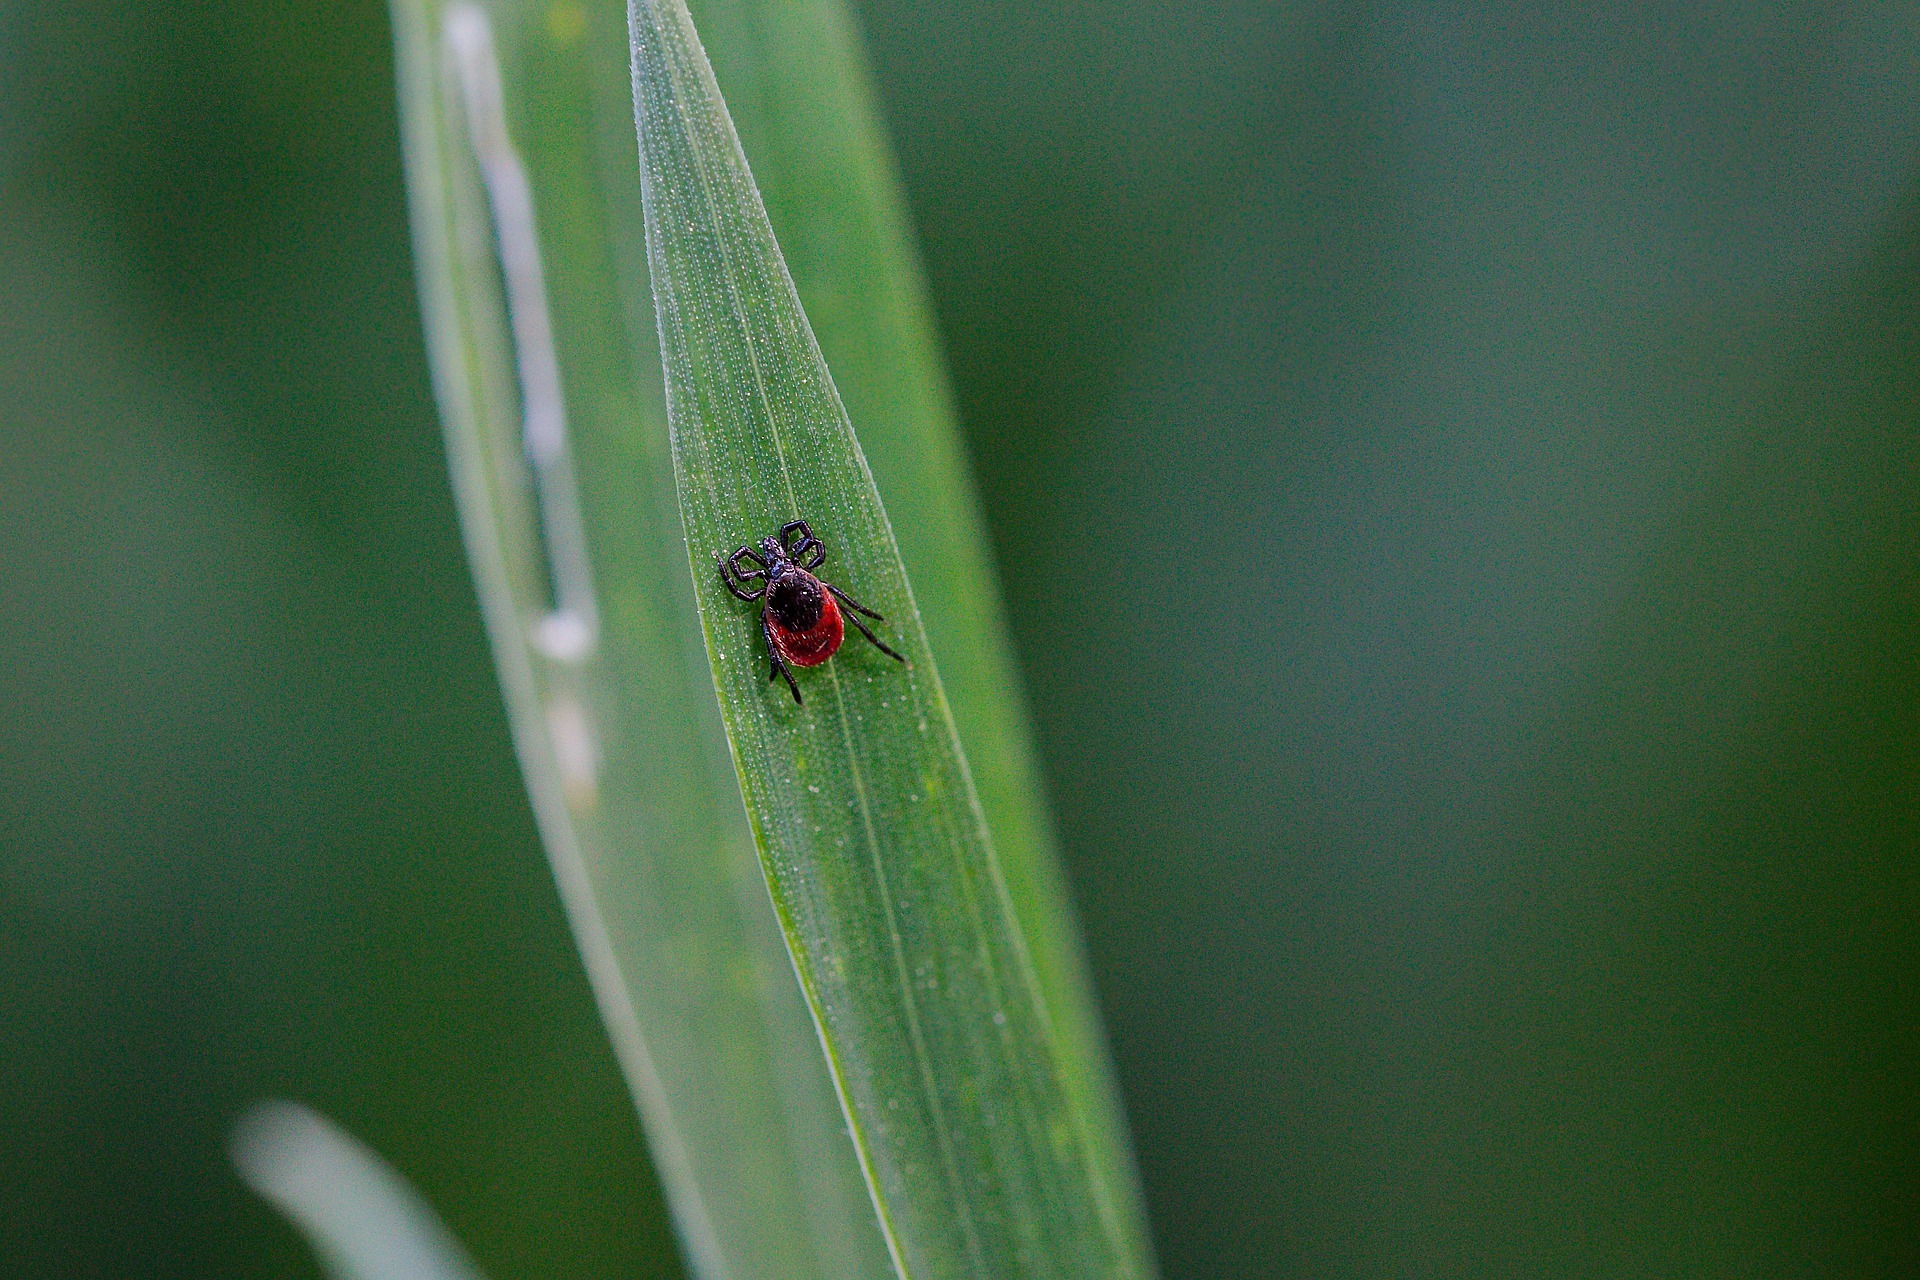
(775, 554)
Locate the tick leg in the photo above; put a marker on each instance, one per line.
(792, 527)
(747, 553)
(779, 668)
(851, 603)
(819, 554)
(854, 619)
(728, 579)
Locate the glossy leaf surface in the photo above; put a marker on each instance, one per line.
(986, 1147)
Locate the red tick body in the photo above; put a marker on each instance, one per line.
(798, 598)
(802, 623)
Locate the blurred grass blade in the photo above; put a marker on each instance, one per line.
(565, 489)
(361, 1217)
(980, 1134)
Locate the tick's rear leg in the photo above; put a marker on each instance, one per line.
(778, 668)
(854, 618)
(851, 603)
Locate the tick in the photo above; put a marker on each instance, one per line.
(799, 618)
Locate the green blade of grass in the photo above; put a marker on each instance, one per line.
(557, 447)
(959, 1035)
(797, 88)
(364, 1220)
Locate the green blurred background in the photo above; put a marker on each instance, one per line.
(1456, 477)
